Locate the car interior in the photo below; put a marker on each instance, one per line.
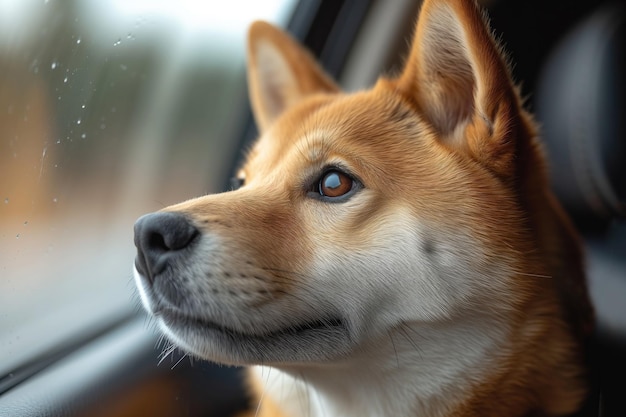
(568, 57)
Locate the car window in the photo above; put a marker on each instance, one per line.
(108, 109)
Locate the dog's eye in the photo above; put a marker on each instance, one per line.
(335, 184)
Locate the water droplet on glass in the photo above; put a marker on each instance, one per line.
(84, 135)
(82, 107)
(54, 200)
(26, 222)
(17, 236)
(53, 65)
(119, 41)
(6, 200)
(78, 121)
(65, 79)
(78, 40)
(58, 140)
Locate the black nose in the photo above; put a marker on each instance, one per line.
(159, 238)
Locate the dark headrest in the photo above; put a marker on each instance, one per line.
(582, 108)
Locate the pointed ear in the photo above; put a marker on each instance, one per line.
(280, 73)
(458, 79)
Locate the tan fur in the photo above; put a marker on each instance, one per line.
(446, 154)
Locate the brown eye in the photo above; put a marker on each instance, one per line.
(335, 184)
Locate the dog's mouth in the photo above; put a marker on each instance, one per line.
(318, 325)
(318, 339)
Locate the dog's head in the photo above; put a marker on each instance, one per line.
(422, 202)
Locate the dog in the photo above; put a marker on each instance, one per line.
(389, 252)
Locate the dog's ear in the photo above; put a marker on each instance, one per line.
(280, 73)
(458, 79)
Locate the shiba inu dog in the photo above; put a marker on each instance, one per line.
(390, 252)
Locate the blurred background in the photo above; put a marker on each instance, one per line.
(108, 110)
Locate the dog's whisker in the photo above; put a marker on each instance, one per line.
(403, 328)
(286, 271)
(533, 275)
(159, 340)
(393, 344)
(179, 361)
(265, 387)
(305, 402)
(166, 352)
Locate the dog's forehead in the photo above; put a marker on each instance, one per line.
(340, 126)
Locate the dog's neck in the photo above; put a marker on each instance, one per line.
(413, 370)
